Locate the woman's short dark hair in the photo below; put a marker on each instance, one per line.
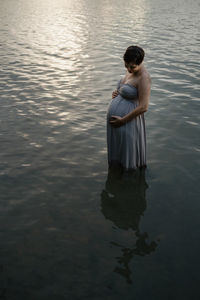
(134, 54)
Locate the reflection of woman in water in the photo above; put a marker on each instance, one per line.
(126, 137)
(123, 201)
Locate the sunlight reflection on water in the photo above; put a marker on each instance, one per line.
(60, 61)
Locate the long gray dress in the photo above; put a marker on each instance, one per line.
(127, 143)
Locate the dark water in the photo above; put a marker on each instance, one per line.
(68, 229)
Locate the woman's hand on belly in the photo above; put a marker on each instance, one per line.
(115, 93)
(116, 121)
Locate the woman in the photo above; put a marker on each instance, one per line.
(126, 137)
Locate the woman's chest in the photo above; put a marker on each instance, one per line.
(130, 80)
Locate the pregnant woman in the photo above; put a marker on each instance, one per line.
(126, 137)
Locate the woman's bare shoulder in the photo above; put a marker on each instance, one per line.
(145, 77)
(146, 74)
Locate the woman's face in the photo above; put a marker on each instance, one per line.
(132, 67)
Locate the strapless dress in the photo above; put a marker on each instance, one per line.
(126, 144)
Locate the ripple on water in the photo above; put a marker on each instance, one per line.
(60, 61)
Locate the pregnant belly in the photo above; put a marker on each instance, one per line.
(120, 106)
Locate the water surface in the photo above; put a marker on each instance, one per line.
(69, 229)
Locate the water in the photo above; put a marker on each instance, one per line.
(70, 230)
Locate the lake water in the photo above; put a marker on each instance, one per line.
(68, 229)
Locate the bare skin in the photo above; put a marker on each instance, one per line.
(137, 76)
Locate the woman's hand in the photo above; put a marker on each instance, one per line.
(116, 121)
(115, 93)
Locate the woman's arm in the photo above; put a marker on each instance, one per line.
(144, 90)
